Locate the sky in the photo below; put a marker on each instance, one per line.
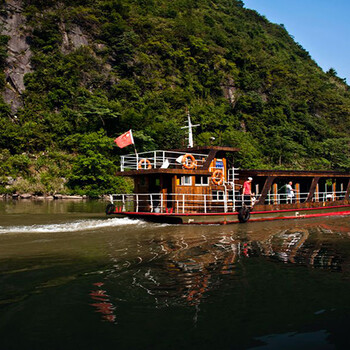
(321, 27)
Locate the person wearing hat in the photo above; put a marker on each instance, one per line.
(247, 191)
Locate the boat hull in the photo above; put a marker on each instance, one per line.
(232, 218)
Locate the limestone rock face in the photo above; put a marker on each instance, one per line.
(230, 92)
(19, 53)
(72, 39)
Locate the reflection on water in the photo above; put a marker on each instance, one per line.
(91, 282)
(102, 302)
(182, 268)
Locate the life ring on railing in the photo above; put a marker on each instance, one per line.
(218, 177)
(244, 214)
(188, 161)
(110, 209)
(148, 164)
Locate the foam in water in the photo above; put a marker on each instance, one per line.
(81, 225)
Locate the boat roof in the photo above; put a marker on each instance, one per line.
(142, 172)
(292, 173)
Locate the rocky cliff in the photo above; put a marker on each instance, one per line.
(14, 25)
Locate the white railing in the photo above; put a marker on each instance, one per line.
(158, 159)
(282, 198)
(218, 202)
(179, 203)
(232, 175)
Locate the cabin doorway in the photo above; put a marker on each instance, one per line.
(155, 194)
(168, 190)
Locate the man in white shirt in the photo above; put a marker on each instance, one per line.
(290, 192)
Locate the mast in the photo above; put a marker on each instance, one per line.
(190, 133)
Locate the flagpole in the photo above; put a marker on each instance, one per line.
(137, 156)
(133, 142)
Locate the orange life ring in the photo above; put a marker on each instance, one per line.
(188, 158)
(218, 177)
(146, 161)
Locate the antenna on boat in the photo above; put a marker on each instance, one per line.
(190, 133)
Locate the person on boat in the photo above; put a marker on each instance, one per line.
(247, 191)
(290, 192)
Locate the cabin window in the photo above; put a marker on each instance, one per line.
(186, 180)
(218, 196)
(202, 180)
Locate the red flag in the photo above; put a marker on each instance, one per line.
(125, 139)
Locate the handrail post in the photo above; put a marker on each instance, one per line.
(342, 193)
(123, 199)
(275, 193)
(155, 159)
(233, 199)
(151, 199)
(347, 193)
(205, 203)
(225, 200)
(137, 203)
(233, 190)
(183, 203)
(298, 194)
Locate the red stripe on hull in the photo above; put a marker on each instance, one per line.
(271, 219)
(232, 213)
(169, 218)
(338, 213)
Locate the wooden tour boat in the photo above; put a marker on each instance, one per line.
(200, 185)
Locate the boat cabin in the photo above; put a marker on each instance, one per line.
(186, 180)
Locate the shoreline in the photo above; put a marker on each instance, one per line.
(28, 196)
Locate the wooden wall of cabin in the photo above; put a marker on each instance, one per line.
(167, 190)
(200, 197)
(194, 199)
(141, 184)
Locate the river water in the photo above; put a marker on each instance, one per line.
(70, 278)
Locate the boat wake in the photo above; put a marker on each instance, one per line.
(81, 225)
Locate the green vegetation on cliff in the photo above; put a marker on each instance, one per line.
(244, 79)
